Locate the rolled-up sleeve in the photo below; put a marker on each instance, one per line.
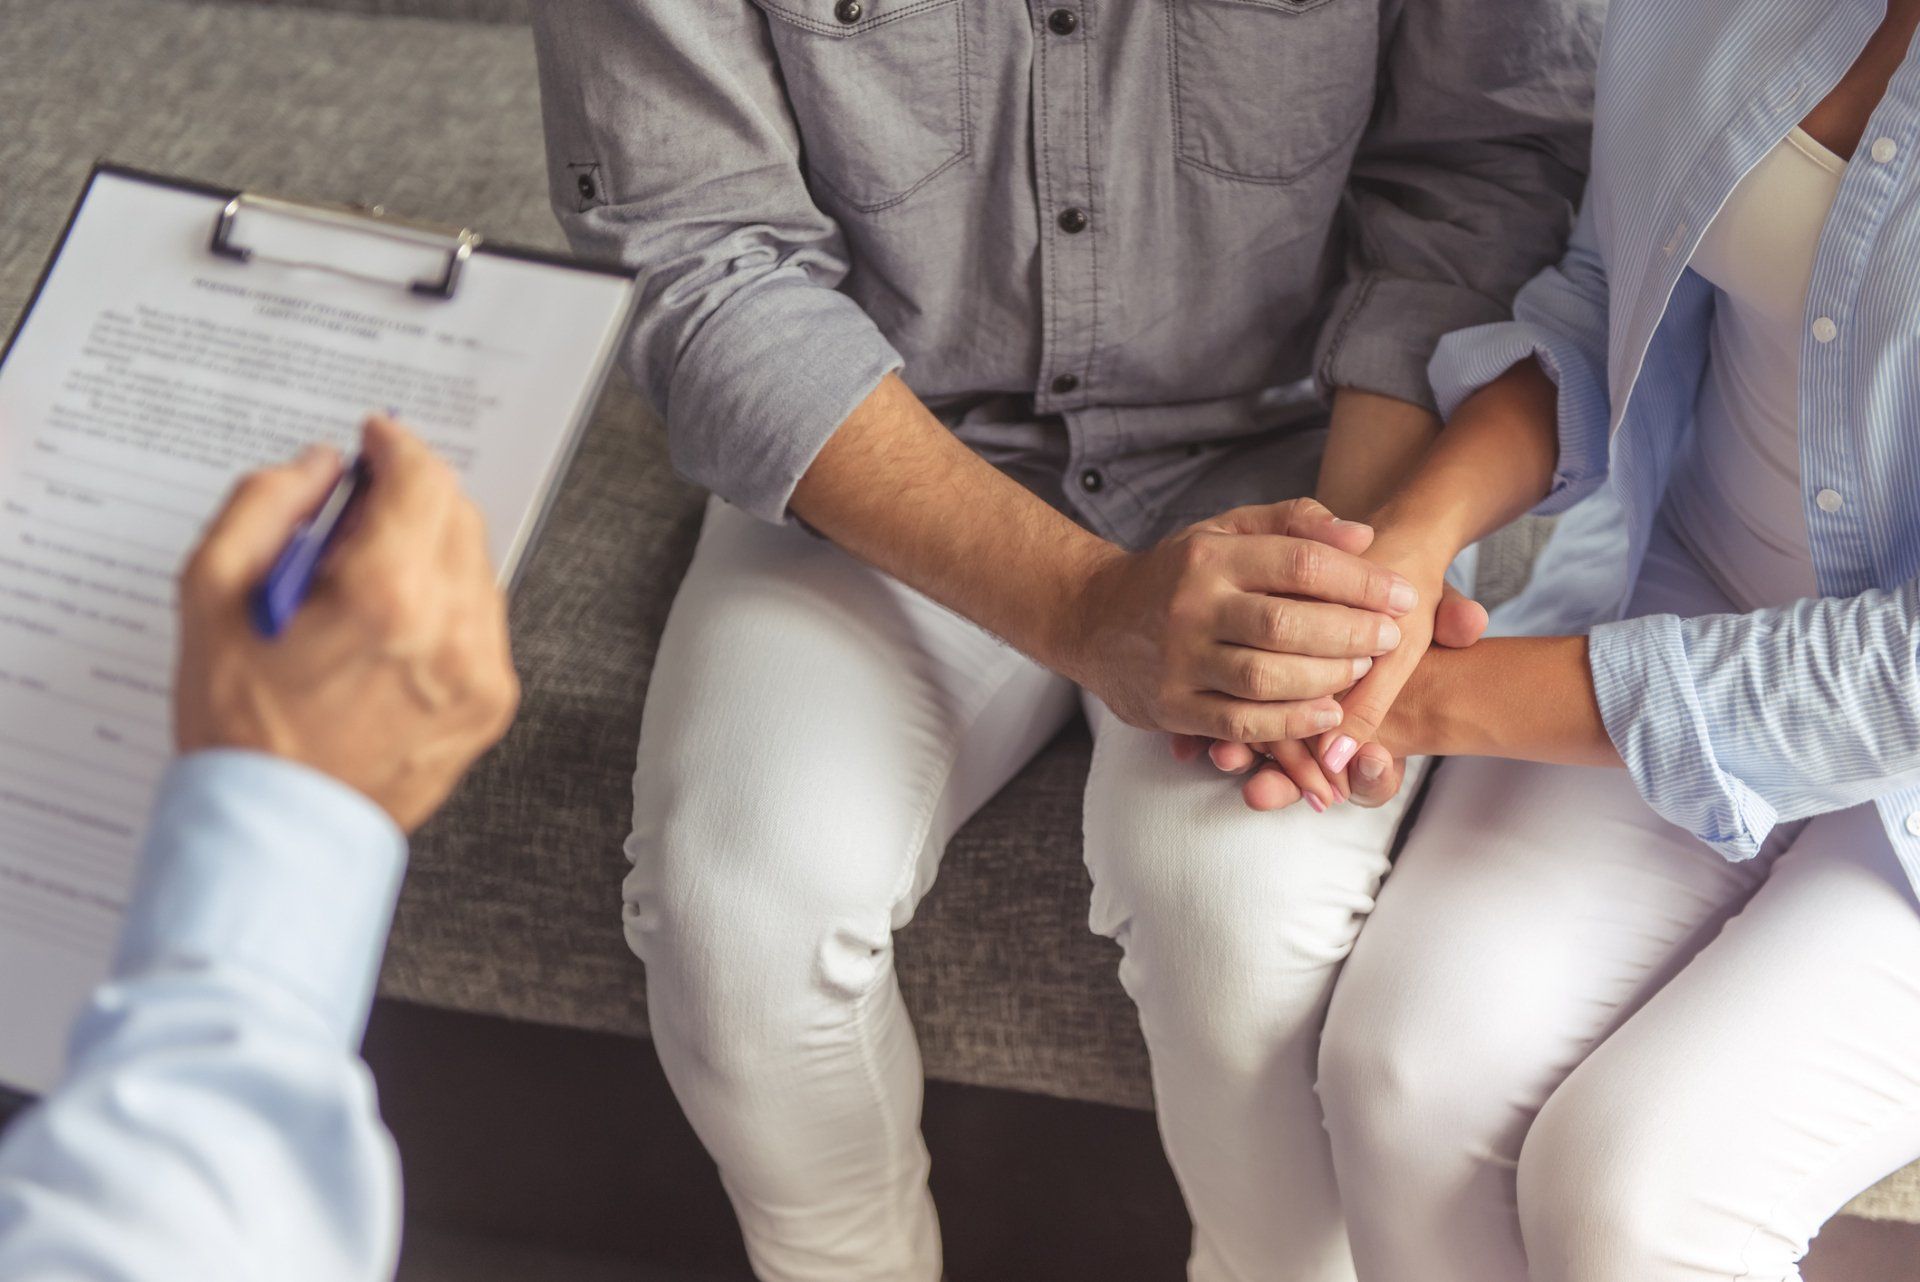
(1731, 723)
(1465, 182)
(671, 148)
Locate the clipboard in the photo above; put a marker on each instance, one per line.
(226, 240)
(182, 334)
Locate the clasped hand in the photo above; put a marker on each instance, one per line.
(1360, 759)
(1278, 632)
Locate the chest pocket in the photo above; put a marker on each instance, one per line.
(879, 90)
(1266, 90)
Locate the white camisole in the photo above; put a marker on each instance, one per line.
(1735, 497)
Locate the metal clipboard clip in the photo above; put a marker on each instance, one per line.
(457, 243)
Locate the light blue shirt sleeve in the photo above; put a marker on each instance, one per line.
(1731, 723)
(1560, 319)
(215, 1121)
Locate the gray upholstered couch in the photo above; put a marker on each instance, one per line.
(512, 907)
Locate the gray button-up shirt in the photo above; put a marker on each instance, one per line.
(1121, 246)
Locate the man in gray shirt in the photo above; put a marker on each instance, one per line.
(976, 316)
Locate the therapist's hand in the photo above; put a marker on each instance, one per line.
(395, 675)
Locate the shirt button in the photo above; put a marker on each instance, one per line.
(587, 188)
(1824, 330)
(1885, 149)
(1091, 481)
(1913, 824)
(848, 11)
(1073, 220)
(1829, 500)
(1063, 22)
(1066, 384)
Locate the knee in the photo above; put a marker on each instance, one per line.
(758, 915)
(1598, 1202)
(1385, 1081)
(1233, 957)
(1414, 1090)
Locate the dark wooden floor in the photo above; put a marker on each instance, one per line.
(572, 1141)
(536, 1153)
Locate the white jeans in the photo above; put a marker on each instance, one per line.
(814, 734)
(1576, 1045)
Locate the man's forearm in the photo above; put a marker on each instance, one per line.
(895, 488)
(1374, 445)
(1524, 698)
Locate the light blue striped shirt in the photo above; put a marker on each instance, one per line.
(214, 1121)
(1732, 723)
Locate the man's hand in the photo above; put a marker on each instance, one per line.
(1239, 628)
(1285, 772)
(395, 675)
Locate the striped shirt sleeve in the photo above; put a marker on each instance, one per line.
(1560, 319)
(1731, 723)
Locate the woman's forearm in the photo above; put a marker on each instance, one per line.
(1524, 698)
(1491, 464)
(1374, 445)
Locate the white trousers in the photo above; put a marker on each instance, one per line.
(814, 733)
(1577, 1045)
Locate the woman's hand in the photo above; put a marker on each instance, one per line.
(1286, 772)
(1423, 561)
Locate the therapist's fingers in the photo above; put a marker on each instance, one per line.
(472, 659)
(410, 491)
(384, 566)
(248, 533)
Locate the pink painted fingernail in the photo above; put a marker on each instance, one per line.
(1341, 752)
(1319, 806)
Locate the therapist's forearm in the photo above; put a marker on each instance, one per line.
(213, 1119)
(1375, 444)
(1523, 698)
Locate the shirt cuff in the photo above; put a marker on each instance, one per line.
(1650, 703)
(1468, 360)
(257, 864)
(1383, 331)
(767, 379)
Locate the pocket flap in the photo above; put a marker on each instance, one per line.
(845, 18)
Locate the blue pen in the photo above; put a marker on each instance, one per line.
(291, 578)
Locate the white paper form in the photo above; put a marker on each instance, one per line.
(149, 373)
